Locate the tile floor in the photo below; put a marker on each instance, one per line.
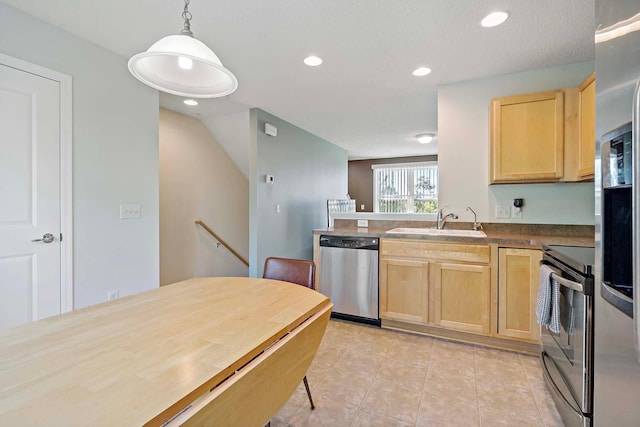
(365, 376)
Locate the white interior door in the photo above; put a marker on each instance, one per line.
(29, 197)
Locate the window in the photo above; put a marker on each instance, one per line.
(405, 188)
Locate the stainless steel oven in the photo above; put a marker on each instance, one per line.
(567, 356)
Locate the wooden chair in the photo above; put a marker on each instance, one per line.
(298, 271)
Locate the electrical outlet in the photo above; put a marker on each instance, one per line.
(363, 223)
(501, 212)
(111, 295)
(129, 211)
(516, 212)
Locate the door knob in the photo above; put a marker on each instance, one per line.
(47, 238)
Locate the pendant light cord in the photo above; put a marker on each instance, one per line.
(186, 15)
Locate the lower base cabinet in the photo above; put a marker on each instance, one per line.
(518, 272)
(462, 297)
(479, 293)
(444, 285)
(404, 290)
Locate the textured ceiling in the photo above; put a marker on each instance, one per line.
(363, 97)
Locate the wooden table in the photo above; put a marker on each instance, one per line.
(142, 359)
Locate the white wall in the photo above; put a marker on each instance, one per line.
(308, 170)
(231, 131)
(198, 180)
(115, 157)
(463, 155)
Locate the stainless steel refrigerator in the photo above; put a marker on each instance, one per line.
(617, 288)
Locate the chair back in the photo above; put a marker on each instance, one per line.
(298, 271)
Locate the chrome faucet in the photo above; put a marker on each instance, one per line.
(476, 225)
(442, 219)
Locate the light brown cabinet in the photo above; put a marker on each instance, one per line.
(587, 123)
(479, 293)
(517, 293)
(527, 138)
(580, 133)
(462, 297)
(404, 290)
(545, 136)
(438, 284)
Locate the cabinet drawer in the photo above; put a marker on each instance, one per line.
(435, 251)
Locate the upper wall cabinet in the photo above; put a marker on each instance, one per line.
(545, 136)
(527, 138)
(580, 138)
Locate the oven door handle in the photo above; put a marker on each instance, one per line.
(568, 283)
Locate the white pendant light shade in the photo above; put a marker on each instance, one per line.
(184, 66)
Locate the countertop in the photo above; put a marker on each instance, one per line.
(528, 240)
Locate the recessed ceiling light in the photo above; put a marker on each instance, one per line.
(422, 71)
(191, 102)
(312, 61)
(495, 18)
(425, 138)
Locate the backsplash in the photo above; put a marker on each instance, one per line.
(511, 228)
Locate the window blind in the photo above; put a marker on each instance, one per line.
(406, 188)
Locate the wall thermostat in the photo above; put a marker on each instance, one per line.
(270, 129)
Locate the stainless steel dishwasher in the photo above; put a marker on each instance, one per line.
(348, 274)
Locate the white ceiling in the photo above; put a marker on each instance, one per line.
(363, 97)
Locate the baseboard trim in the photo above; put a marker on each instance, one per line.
(467, 338)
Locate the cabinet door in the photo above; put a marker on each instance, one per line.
(517, 292)
(527, 138)
(586, 129)
(404, 286)
(462, 295)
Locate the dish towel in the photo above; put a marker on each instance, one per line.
(568, 319)
(548, 303)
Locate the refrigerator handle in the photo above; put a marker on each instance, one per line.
(635, 212)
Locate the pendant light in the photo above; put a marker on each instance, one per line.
(184, 66)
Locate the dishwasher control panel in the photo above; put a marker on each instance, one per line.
(350, 242)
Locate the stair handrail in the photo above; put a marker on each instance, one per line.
(222, 242)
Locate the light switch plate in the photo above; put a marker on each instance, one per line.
(129, 211)
(516, 212)
(501, 212)
(363, 223)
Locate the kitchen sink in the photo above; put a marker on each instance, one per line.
(436, 232)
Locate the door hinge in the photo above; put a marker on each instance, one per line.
(61, 237)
